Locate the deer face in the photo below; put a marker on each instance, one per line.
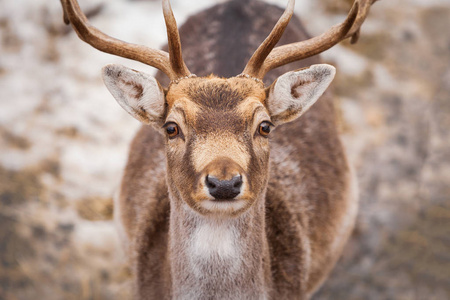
(217, 149)
(217, 130)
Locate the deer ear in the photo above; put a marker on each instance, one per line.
(293, 93)
(138, 93)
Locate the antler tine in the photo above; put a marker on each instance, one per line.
(174, 43)
(364, 9)
(256, 61)
(297, 51)
(97, 39)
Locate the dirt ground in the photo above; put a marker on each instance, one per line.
(64, 142)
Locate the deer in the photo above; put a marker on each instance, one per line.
(237, 185)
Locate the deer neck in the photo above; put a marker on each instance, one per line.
(218, 258)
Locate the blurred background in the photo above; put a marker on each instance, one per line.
(64, 143)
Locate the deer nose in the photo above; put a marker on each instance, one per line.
(224, 189)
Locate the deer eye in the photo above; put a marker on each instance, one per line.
(265, 128)
(171, 130)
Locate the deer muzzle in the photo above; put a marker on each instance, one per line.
(223, 178)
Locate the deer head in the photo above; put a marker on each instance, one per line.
(217, 129)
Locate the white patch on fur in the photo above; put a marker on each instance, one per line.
(215, 254)
(308, 84)
(138, 93)
(214, 244)
(214, 239)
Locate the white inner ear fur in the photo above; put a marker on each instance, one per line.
(138, 93)
(295, 92)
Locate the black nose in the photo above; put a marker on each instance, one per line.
(224, 189)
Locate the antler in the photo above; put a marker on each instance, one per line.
(171, 63)
(265, 59)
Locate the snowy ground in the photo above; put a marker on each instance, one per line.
(64, 141)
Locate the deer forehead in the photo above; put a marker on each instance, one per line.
(215, 93)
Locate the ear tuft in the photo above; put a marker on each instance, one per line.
(295, 92)
(138, 93)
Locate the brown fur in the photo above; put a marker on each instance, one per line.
(293, 229)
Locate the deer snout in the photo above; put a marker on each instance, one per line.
(223, 178)
(224, 189)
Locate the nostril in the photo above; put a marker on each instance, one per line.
(224, 189)
(237, 181)
(211, 182)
